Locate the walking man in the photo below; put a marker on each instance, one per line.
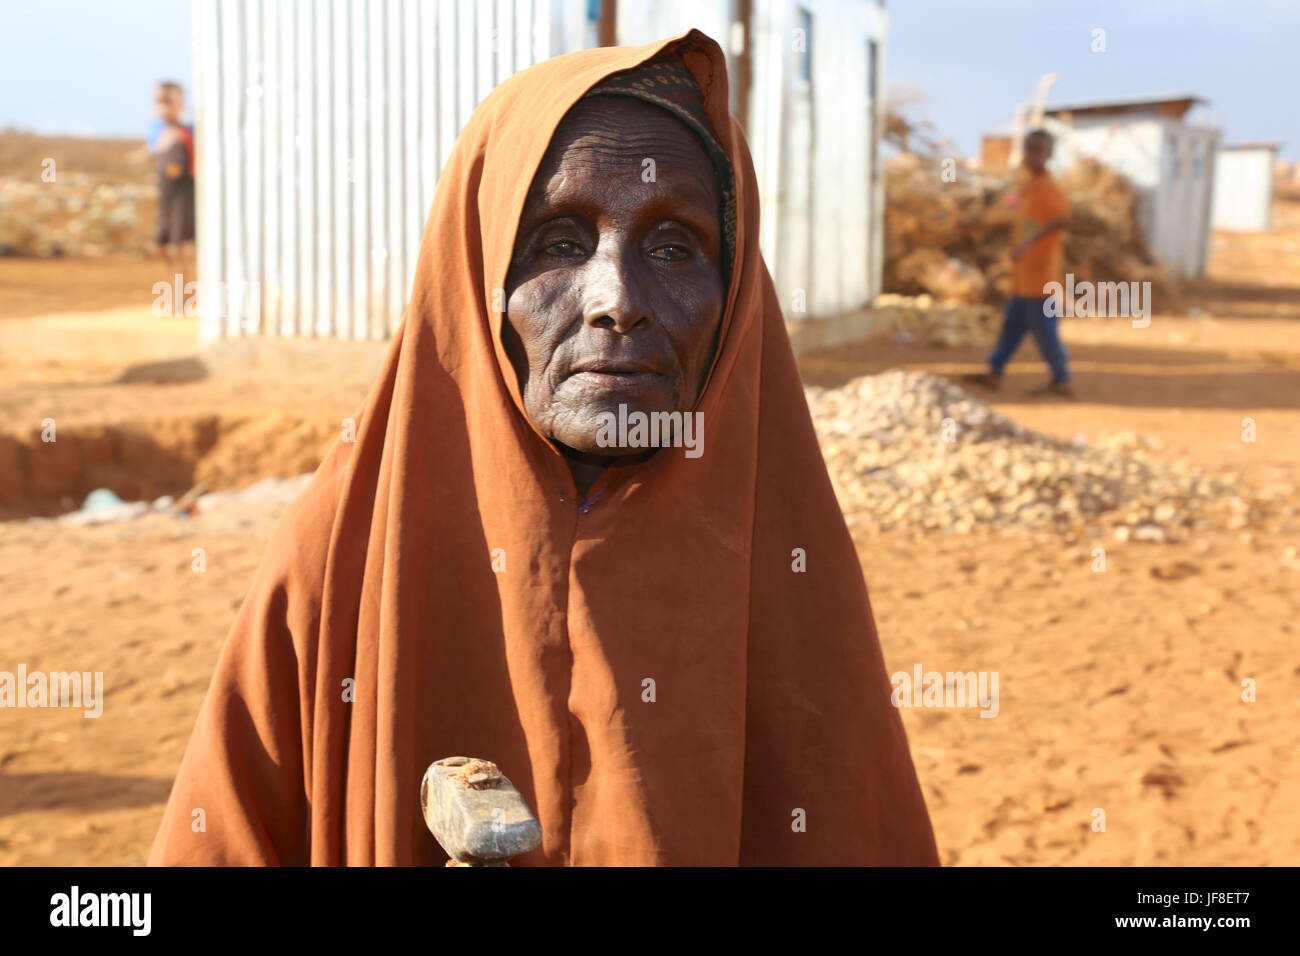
(1042, 213)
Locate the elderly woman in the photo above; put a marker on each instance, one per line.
(669, 650)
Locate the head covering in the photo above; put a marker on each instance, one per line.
(668, 84)
(647, 664)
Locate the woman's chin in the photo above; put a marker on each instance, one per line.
(590, 444)
(616, 429)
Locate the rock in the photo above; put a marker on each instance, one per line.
(910, 449)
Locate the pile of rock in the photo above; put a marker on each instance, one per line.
(911, 449)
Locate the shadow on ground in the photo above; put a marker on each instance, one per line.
(84, 792)
(1149, 377)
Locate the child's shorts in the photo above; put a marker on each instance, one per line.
(175, 213)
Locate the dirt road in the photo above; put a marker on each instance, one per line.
(1120, 691)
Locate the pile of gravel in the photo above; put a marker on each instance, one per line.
(912, 449)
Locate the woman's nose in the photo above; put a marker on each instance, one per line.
(614, 296)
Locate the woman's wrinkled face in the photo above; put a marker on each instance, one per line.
(615, 292)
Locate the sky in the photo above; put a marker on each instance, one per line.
(971, 61)
(86, 66)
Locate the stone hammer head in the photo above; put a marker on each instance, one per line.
(475, 813)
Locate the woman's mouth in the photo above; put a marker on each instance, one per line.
(615, 376)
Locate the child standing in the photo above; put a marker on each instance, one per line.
(172, 143)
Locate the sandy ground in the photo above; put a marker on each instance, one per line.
(37, 286)
(1120, 691)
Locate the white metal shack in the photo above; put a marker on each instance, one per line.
(1243, 186)
(321, 128)
(1170, 161)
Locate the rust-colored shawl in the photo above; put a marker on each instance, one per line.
(770, 738)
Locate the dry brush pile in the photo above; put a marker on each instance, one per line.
(953, 239)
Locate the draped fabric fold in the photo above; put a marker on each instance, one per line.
(647, 664)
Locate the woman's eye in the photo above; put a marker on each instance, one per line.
(563, 249)
(671, 253)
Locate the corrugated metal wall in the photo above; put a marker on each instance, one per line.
(321, 128)
(812, 138)
(813, 141)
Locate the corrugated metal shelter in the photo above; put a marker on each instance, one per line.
(1170, 161)
(1243, 186)
(321, 128)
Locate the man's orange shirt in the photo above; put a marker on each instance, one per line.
(1039, 201)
